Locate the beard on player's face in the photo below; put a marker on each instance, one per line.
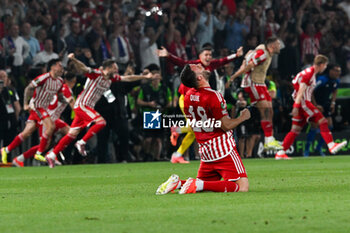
(110, 74)
(206, 74)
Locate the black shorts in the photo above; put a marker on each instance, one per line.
(153, 133)
(251, 126)
(326, 110)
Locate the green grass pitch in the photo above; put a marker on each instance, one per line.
(301, 195)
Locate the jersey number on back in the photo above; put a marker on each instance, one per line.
(203, 118)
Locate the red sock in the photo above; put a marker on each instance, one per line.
(325, 133)
(94, 130)
(31, 152)
(288, 140)
(267, 128)
(43, 143)
(220, 186)
(15, 142)
(63, 143)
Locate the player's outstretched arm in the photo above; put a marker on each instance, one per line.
(228, 124)
(81, 67)
(132, 78)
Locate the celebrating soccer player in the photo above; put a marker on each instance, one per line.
(304, 111)
(254, 68)
(210, 64)
(325, 95)
(219, 157)
(43, 89)
(98, 82)
(55, 110)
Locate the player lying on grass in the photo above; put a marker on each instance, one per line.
(219, 157)
(304, 111)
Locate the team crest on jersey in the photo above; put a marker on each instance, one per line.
(223, 105)
(151, 120)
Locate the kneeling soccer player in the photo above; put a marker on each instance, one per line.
(219, 157)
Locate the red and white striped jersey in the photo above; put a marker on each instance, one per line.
(310, 45)
(307, 76)
(261, 59)
(46, 87)
(56, 107)
(207, 105)
(94, 88)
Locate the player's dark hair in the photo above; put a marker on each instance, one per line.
(52, 62)
(271, 40)
(332, 66)
(188, 77)
(69, 76)
(206, 47)
(153, 67)
(108, 63)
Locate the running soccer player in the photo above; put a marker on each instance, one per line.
(43, 89)
(254, 69)
(55, 110)
(325, 95)
(210, 64)
(304, 111)
(98, 82)
(219, 157)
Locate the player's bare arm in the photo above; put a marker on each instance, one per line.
(28, 93)
(243, 69)
(228, 123)
(298, 99)
(81, 67)
(71, 102)
(239, 52)
(132, 78)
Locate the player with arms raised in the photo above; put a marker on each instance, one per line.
(304, 111)
(219, 157)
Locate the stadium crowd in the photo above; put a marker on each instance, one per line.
(33, 32)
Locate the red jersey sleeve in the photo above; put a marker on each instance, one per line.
(179, 61)
(116, 78)
(216, 63)
(259, 57)
(306, 75)
(217, 105)
(93, 73)
(40, 80)
(66, 91)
